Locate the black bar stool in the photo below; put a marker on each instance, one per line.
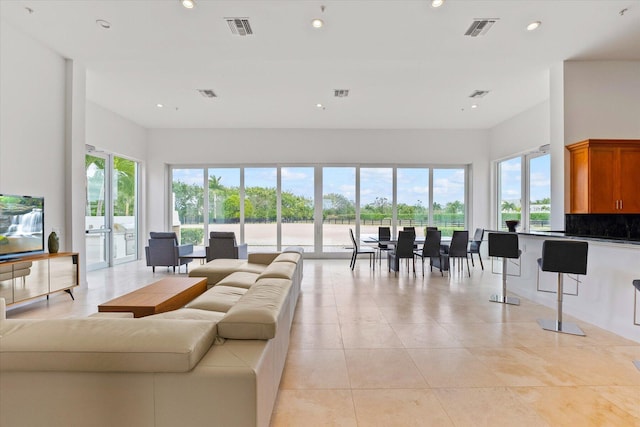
(636, 284)
(505, 246)
(562, 256)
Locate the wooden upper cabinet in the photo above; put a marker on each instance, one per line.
(604, 176)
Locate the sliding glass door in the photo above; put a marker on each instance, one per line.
(111, 214)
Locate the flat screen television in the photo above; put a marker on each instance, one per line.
(21, 226)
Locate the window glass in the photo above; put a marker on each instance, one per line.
(449, 200)
(297, 190)
(540, 192)
(510, 191)
(224, 200)
(376, 199)
(260, 208)
(188, 205)
(338, 207)
(413, 198)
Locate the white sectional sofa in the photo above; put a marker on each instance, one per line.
(215, 362)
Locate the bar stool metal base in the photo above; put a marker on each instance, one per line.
(504, 299)
(563, 327)
(637, 363)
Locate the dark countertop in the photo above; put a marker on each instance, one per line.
(563, 235)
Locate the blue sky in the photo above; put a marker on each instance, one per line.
(540, 181)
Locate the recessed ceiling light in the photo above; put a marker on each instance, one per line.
(534, 25)
(188, 4)
(103, 24)
(437, 3)
(474, 106)
(319, 105)
(159, 105)
(317, 23)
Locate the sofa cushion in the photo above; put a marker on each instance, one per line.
(190, 313)
(255, 316)
(278, 270)
(104, 345)
(239, 279)
(218, 298)
(288, 257)
(218, 269)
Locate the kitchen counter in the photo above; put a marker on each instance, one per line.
(606, 292)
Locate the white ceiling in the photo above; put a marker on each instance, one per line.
(406, 64)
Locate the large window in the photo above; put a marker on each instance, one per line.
(524, 191)
(314, 206)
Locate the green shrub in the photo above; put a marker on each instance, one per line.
(191, 236)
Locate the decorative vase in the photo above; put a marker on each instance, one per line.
(53, 243)
(512, 224)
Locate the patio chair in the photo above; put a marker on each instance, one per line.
(163, 250)
(222, 244)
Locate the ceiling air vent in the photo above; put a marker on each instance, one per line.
(341, 93)
(478, 93)
(207, 93)
(239, 26)
(479, 27)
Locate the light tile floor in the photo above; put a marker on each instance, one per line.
(374, 349)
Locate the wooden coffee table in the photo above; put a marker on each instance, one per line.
(164, 295)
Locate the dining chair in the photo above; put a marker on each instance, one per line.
(474, 246)
(384, 235)
(403, 250)
(431, 249)
(411, 230)
(361, 251)
(458, 249)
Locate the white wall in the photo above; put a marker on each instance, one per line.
(602, 100)
(43, 128)
(32, 124)
(111, 132)
(524, 132)
(304, 146)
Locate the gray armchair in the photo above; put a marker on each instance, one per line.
(222, 244)
(163, 250)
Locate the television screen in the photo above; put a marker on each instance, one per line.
(21, 225)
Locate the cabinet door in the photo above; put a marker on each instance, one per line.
(63, 272)
(629, 184)
(602, 182)
(579, 178)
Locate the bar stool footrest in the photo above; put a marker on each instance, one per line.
(504, 299)
(564, 327)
